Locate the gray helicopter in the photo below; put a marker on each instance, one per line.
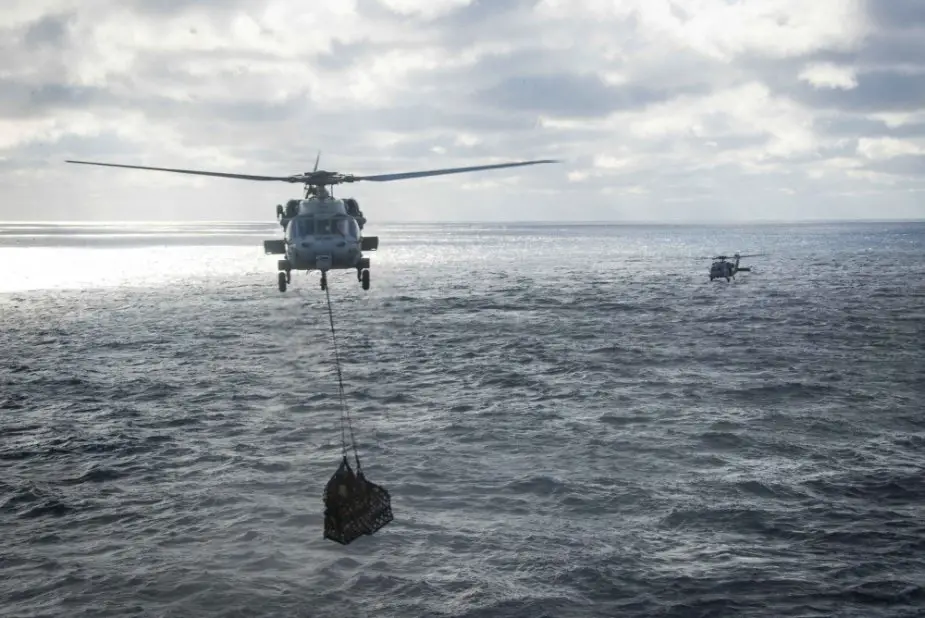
(721, 269)
(322, 232)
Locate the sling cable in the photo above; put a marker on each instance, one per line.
(354, 506)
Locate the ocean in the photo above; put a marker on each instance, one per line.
(572, 421)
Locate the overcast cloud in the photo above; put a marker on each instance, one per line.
(660, 110)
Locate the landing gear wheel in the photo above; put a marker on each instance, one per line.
(365, 279)
(288, 276)
(283, 280)
(324, 281)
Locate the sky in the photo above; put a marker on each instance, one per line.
(656, 110)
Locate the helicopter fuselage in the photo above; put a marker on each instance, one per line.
(722, 270)
(322, 236)
(322, 233)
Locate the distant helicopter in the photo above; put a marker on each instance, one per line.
(721, 269)
(321, 232)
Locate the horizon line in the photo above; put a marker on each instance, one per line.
(700, 222)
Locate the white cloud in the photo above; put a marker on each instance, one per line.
(722, 30)
(428, 9)
(828, 75)
(669, 108)
(889, 147)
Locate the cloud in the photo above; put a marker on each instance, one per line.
(888, 148)
(567, 94)
(899, 14)
(827, 75)
(659, 109)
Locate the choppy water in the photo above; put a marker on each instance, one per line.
(571, 420)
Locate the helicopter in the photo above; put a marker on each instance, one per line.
(721, 269)
(321, 232)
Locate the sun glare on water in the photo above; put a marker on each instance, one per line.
(75, 255)
(38, 268)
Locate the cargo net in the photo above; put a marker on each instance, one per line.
(354, 506)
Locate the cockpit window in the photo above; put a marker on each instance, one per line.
(300, 227)
(348, 227)
(324, 227)
(308, 226)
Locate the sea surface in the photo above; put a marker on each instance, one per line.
(572, 421)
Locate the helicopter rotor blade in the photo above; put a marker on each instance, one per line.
(322, 177)
(195, 172)
(444, 171)
(730, 257)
